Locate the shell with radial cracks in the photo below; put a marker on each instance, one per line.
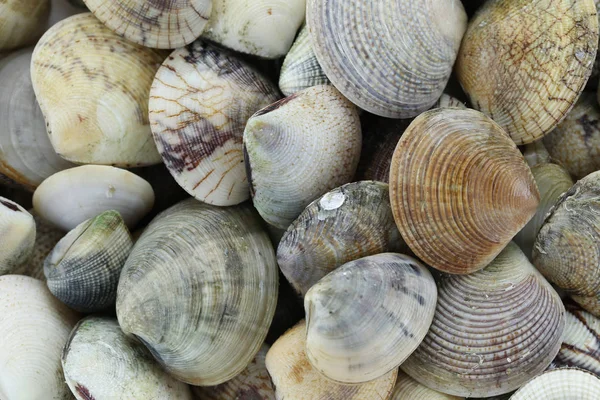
(493, 330)
(460, 189)
(347, 223)
(72, 196)
(199, 289)
(524, 63)
(409, 389)
(561, 384)
(101, 363)
(17, 235)
(200, 101)
(299, 148)
(22, 22)
(34, 327)
(366, 317)
(295, 378)
(162, 24)
(93, 88)
(391, 58)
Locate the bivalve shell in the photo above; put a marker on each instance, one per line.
(17, 233)
(22, 22)
(409, 389)
(561, 384)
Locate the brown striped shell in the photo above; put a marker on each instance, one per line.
(409, 389)
(22, 22)
(561, 384)
(460, 189)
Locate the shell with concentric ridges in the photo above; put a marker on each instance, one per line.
(409, 389)
(561, 384)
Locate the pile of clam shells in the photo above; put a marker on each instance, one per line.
(299, 199)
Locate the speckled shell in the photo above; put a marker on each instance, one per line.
(460, 189)
(561, 384)
(391, 58)
(347, 223)
(366, 317)
(252, 384)
(26, 154)
(294, 377)
(493, 330)
(17, 236)
(575, 143)
(22, 22)
(264, 28)
(409, 389)
(299, 148)
(93, 88)
(34, 327)
(524, 63)
(83, 269)
(200, 101)
(72, 196)
(199, 289)
(101, 363)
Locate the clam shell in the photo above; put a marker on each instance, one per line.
(366, 317)
(536, 153)
(391, 58)
(34, 327)
(561, 384)
(199, 289)
(345, 224)
(447, 101)
(294, 377)
(460, 189)
(299, 148)
(200, 101)
(492, 331)
(93, 88)
(525, 63)
(409, 389)
(17, 230)
(22, 22)
(100, 362)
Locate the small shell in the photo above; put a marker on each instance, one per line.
(561, 384)
(524, 63)
(409, 389)
(200, 101)
(298, 149)
(72, 196)
(536, 153)
(460, 189)
(34, 327)
(17, 232)
(93, 88)
(22, 22)
(492, 331)
(345, 224)
(83, 269)
(294, 377)
(391, 58)
(366, 317)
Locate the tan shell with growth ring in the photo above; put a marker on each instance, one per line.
(409, 389)
(17, 236)
(561, 384)
(22, 22)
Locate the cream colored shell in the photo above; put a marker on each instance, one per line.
(22, 22)
(409, 389)
(17, 236)
(561, 384)
(581, 341)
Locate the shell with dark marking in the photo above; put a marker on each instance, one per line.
(17, 235)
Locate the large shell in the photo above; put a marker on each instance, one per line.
(409, 389)
(366, 317)
(199, 289)
(22, 22)
(493, 330)
(34, 327)
(93, 88)
(391, 58)
(561, 384)
(72, 196)
(200, 101)
(154, 23)
(298, 149)
(26, 154)
(294, 377)
(17, 236)
(347, 223)
(460, 189)
(524, 63)
(101, 363)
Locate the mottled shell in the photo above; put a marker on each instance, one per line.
(299, 148)
(93, 88)
(26, 154)
(575, 143)
(493, 330)
(199, 289)
(22, 22)
(83, 269)
(34, 327)
(264, 28)
(409, 389)
(72, 196)
(561, 384)
(366, 317)
(391, 58)
(295, 378)
(460, 189)
(524, 63)
(200, 101)
(101, 363)
(17, 236)
(347, 223)
(252, 384)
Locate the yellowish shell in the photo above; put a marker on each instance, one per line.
(409, 389)
(22, 22)
(17, 236)
(561, 384)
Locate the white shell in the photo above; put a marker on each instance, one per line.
(561, 384)
(17, 236)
